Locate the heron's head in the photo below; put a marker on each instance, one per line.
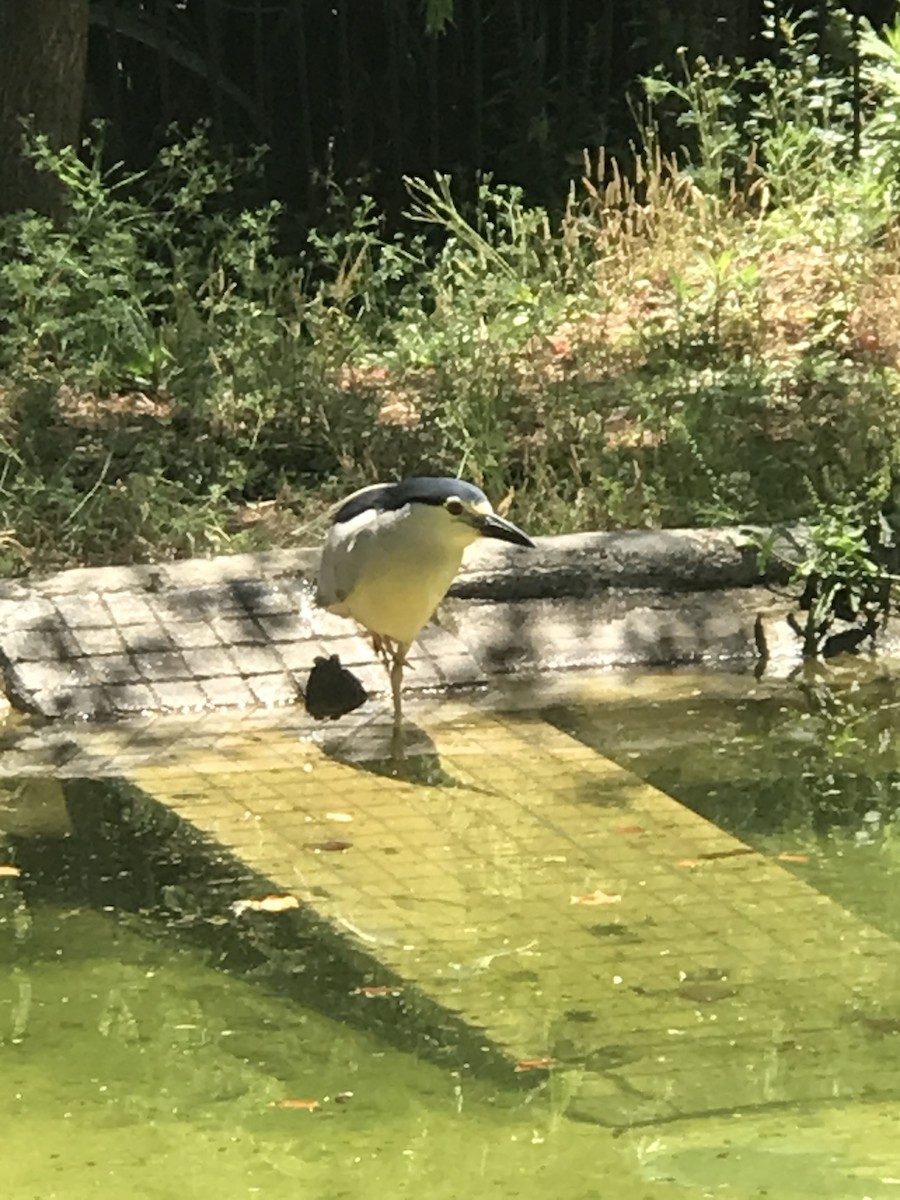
(454, 510)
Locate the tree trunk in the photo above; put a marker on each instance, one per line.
(43, 47)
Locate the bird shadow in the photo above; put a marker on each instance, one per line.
(409, 756)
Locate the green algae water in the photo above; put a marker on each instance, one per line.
(138, 1059)
(132, 1070)
(806, 771)
(130, 1067)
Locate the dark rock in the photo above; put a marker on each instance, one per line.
(332, 691)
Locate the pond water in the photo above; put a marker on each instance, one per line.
(133, 1067)
(807, 770)
(138, 1060)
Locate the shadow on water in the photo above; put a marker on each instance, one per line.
(412, 758)
(131, 857)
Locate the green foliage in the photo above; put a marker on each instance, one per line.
(880, 70)
(795, 123)
(704, 99)
(691, 341)
(163, 288)
(800, 113)
(843, 580)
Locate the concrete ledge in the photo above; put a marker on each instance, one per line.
(570, 565)
(617, 628)
(664, 560)
(243, 630)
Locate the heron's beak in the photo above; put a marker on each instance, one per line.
(492, 526)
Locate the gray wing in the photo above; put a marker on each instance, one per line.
(345, 554)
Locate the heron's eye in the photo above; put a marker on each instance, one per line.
(453, 507)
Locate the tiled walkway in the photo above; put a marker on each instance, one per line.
(242, 631)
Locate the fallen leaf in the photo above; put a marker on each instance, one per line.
(534, 1064)
(381, 989)
(268, 904)
(687, 862)
(786, 856)
(332, 846)
(338, 816)
(306, 1105)
(597, 897)
(9, 872)
(735, 853)
(628, 829)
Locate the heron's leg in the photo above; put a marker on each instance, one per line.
(397, 665)
(385, 649)
(382, 648)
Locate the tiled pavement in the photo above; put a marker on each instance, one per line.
(242, 631)
(112, 651)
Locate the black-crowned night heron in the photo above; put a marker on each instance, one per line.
(392, 552)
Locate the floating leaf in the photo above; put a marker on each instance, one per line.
(534, 1064)
(268, 904)
(629, 829)
(787, 856)
(597, 897)
(338, 816)
(7, 871)
(690, 863)
(332, 846)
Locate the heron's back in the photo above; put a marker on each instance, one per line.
(389, 571)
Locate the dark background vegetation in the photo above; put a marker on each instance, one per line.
(367, 89)
(383, 88)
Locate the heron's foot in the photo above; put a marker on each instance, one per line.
(389, 651)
